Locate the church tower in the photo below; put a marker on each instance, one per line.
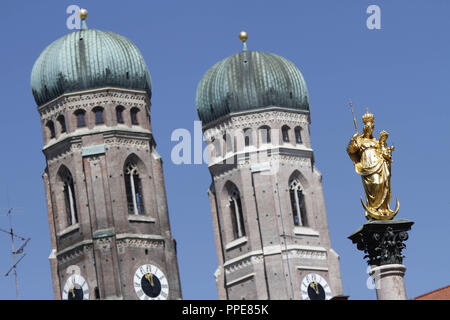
(104, 184)
(266, 195)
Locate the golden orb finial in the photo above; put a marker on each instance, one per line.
(243, 36)
(83, 14)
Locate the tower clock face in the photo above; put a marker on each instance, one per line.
(150, 283)
(314, 287)
(76, 288)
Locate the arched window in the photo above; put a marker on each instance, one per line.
(265, 134)
(298, 135)
(119, 114)
(81, 118)
(228, 141)
(247, 137)
(98, 112)
(237, 217)
(69, 197)
(51, 129)
(216, 147)
(297, 203)
(285, 133)
(134, 116)
(62, 123)
(133, 189)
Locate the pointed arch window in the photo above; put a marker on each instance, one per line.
(237, 217)
(119, 114)
(298, 135)
(81, 118)
(297, 203)
(133, 187)
(98, 112)
(62, 123)
(285, 133)
(69, 197)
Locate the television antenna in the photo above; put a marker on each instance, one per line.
(17, 255)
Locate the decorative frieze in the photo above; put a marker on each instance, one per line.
(140, 243)
(74, 253)
(307, 254)
(241, 264)
(225, 169)
(71, 148)
(61, 153)
(89, 100)
(247, 261)
(262, 118)
(255, 120)
(103, 243)
(295, 160)
(127, 142)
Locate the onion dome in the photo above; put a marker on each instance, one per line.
(250, 80)
(88, 59)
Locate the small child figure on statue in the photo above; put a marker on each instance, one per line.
(385, 151)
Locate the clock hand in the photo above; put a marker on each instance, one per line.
(149, 277)
(315, 287)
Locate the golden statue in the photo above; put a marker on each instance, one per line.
(372, 159)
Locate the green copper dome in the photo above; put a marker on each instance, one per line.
(250, 80)
(88, 59)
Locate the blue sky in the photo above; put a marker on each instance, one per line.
(400, 72)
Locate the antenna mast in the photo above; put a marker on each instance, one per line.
(15, 252)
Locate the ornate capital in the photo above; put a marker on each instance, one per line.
(382, 240)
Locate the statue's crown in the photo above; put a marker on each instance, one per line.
(368, 117)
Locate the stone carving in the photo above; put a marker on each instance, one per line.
(86, 101)
(262, 118)
(382, 240)
(255, 120)
(227, 169)
(241, 264)
(139, 243)
(127, 142)
(94, 159)
(296, 160)
(258, 258)
(308, 254)
(110, 142)
(103, 243)
(74, 253)
(62, 153)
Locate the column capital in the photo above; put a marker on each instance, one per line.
(382, 240)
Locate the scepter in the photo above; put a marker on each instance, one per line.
(354, 118)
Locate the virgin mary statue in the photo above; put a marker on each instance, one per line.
(372, 159)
